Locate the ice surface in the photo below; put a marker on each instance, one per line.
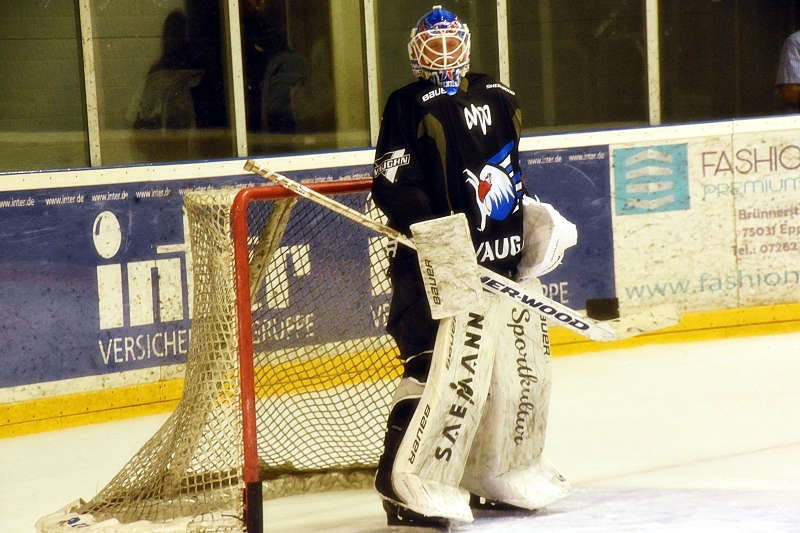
(678, 437)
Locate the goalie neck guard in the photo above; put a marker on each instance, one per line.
(439, 49)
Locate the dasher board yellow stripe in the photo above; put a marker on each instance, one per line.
(70, 410)
(77, 409)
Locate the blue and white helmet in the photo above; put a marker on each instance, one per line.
(439, 49)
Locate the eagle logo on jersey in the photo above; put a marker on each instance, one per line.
(497, 186)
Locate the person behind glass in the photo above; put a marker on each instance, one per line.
(448, 143)
(272, 69)
(788, 79)
(166, 103)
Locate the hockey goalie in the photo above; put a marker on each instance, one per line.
(468, 419)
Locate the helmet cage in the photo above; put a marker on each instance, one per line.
(439, 51)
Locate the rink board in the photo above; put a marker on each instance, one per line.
(705, 216)
(63, 320)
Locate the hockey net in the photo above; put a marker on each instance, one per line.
(302, 405)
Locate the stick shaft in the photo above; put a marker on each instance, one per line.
(493, 282)
(330, 203)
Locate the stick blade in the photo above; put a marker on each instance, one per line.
(651, 319)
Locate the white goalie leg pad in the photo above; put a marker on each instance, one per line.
(448, 265)
(431, 457)
(505, 463)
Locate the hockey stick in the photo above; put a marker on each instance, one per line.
(557, 312)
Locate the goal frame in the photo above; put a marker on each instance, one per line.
(252, 497)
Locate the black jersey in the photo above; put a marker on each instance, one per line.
(439, 154)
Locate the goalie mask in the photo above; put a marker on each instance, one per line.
(439, 49)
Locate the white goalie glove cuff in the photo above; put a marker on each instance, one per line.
(546, 235)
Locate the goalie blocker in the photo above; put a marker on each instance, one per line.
(448, 265)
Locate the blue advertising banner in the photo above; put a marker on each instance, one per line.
(94, 280)
(576, 181)
(325, 290)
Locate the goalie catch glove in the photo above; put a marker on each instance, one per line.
(546, 235)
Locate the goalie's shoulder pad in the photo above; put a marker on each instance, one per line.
(546, 236)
